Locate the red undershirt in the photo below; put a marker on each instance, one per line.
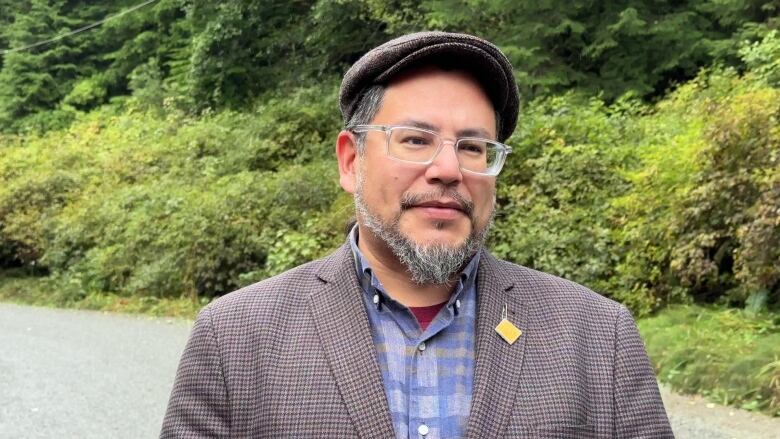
(426, 314)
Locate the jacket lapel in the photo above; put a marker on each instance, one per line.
(343, 326)
(498, 364)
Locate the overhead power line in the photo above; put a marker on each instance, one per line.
(79, 30)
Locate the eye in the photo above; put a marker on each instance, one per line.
(416, 140)
(473, 148)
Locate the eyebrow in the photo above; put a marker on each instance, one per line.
(467, 132)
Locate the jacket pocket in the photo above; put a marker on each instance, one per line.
(553, 431)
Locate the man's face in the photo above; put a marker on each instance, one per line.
(438, 204)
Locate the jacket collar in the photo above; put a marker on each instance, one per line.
(342, 323)
(498, 364)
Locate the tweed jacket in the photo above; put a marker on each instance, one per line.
(292, 357)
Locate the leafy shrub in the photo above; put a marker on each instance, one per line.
(88, 92)
(762, 58)
(756, 260)
(555, 197)
(649, 205)
(35, 182)
(142, 205)
(663, 147)
(725, 354)
(165, 238)
(732, 186)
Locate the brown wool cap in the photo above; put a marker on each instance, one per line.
(475, 55)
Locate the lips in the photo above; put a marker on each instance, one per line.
(440, 210)
(443, 205)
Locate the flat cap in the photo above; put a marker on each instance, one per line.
(479, 57)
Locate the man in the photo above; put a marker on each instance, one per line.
(412, 329)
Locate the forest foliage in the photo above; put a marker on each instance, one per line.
(229, 54)
(187, 148)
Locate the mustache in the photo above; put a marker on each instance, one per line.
(409, 200)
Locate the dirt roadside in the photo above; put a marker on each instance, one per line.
(694, 417)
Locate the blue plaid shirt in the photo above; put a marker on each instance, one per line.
(428, 375)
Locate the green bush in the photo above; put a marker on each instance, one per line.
(762, 58)
(731, 202)
(19, 287)
(648, 204)
(728, 355)
(170, 236)
(555, 197)
(141, 205)
(651, 205)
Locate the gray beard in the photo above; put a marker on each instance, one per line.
(427, 264)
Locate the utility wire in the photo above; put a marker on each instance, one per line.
(79, 30)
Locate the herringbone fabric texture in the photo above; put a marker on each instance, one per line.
(293, 357)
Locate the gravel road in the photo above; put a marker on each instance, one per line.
(694, 417)
(77, 374)
(81, 374)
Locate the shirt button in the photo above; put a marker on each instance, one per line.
(422, 429)
(421, 348)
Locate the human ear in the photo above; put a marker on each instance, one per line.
(346, 153)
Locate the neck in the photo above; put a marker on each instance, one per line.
(395, 276)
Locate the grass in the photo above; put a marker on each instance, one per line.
(728, 355)
(15, 287)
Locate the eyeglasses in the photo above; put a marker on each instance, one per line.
(421, 146)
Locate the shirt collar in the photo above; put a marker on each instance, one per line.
(368, 280)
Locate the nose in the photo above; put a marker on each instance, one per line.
(445, 168)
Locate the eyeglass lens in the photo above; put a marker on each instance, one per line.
(414, 145)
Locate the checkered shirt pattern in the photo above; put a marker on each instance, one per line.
(427, 375)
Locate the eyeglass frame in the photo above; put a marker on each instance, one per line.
(503, 151)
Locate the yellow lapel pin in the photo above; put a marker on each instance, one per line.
(508, 331)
